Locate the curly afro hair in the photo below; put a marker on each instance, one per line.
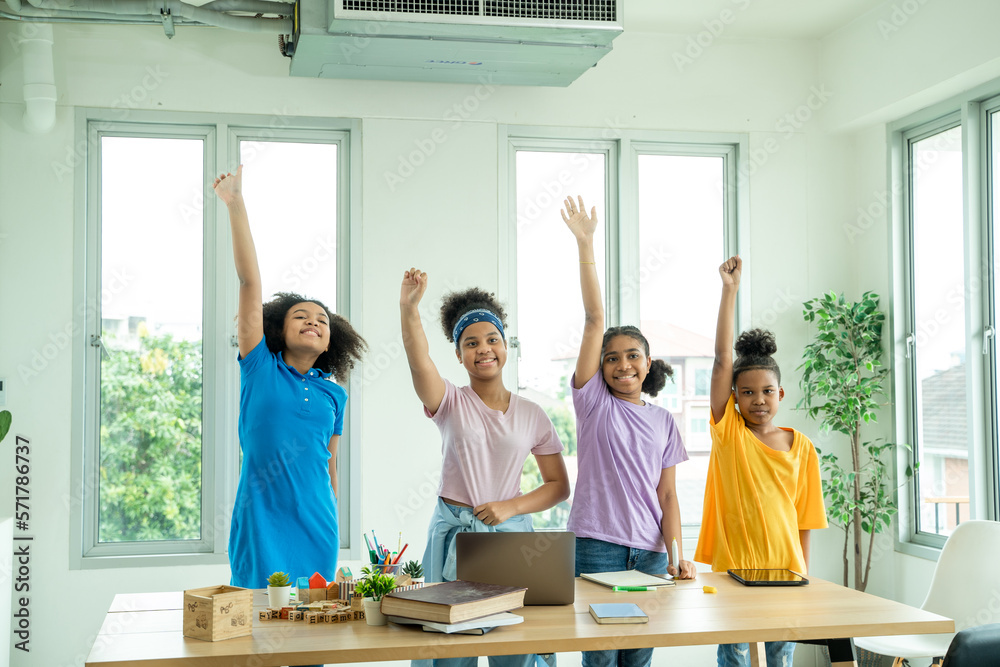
(346, 345)
(457, 304)
(659, 370)
(754, 350)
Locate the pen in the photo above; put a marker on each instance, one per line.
(622, 589)
(673, 556)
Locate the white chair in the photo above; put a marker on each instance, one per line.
(965, 587)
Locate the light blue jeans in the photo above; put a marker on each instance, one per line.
(599, 556)
(779, 654)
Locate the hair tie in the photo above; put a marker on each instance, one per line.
(471, 317)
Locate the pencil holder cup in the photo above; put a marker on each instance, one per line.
(393, 568)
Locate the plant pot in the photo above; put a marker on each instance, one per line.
(278, 596)
(373, 612)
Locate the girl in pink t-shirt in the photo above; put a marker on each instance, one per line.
(487, 431)
(625, 511)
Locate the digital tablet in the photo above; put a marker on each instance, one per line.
(768, 577)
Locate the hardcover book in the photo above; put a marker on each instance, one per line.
(453, 601)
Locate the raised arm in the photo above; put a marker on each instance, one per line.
(427, 380)
(722, 369)
(583, 226)
(250, 322)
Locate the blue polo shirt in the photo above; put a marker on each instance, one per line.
(285, 516)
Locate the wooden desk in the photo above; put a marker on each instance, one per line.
(144, 630)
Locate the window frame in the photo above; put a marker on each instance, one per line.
(220, 382)
(622, 148)
(970, 111)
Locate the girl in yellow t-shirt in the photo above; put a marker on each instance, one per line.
(763, 493)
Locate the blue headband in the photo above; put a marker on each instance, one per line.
(471, 317)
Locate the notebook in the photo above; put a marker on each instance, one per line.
(628, 578)
(618, 612)
(543, 562)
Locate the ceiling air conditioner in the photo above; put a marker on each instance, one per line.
(454, 41)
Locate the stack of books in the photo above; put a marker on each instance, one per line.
(455, 606)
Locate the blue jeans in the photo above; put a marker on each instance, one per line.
(779, 654)
(599, 556)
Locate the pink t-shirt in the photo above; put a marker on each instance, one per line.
(621, 450)
(484, 450)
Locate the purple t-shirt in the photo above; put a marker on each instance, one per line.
(484, 449)
(622, 449)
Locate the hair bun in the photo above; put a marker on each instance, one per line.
(756, 343)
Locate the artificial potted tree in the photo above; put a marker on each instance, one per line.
(279, 590)
(844, 386)
(372, 588)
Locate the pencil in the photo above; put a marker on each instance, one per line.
(401, 553)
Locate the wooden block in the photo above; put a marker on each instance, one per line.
(357, 604)
(313, 617)
(359, 615)
(266, 614)
(295, 615)
(217, 612)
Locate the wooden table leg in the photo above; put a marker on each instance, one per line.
(758, 657)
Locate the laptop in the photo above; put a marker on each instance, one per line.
(544, 563)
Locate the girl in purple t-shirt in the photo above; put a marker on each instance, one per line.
(625, 512)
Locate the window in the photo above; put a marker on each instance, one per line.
(667, 210)
(156, 450)
(937, 336)
(944, 208)
(703, 376)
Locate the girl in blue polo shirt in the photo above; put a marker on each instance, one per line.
(291, 418)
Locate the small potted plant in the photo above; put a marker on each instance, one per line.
(415, 570)
(279, 590)
(372, 588)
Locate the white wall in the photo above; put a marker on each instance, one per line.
(805, 186)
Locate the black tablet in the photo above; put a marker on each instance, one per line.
(768, 577)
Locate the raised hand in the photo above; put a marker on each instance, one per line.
(731, 270)
(229, 187)
(413, 287)
(574, 214)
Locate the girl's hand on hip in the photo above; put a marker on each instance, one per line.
(688, 570)
(413, 287)
(495, 512)
(731, 270)
(229, 187)
(575, 216)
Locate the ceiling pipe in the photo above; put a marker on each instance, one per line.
(175, 8)
(39, 79)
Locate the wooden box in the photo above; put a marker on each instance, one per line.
(218, 612)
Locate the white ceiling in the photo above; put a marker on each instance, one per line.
(749, 19)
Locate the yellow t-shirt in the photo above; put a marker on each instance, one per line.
(757, 499)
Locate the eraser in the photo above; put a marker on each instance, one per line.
(709, 589)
